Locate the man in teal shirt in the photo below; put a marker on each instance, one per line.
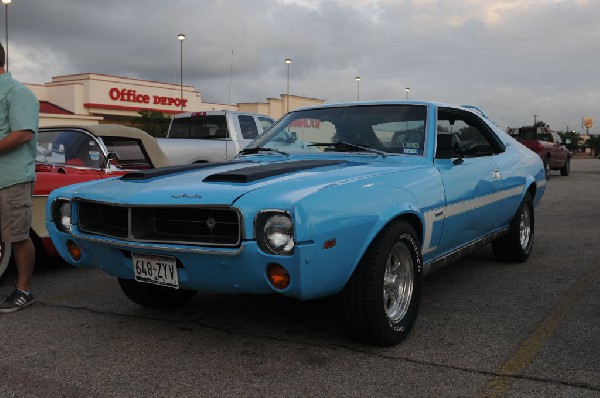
(19, 118)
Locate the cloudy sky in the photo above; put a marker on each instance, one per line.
(517, 59)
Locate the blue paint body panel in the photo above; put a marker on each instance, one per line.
(348, 199)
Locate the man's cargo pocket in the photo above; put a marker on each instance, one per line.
(20, 211)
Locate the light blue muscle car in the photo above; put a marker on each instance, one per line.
(355, 200)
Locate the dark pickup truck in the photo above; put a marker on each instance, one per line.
(546, 143)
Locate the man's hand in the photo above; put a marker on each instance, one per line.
(15, 139)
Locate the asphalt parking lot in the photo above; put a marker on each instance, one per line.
(485, 329)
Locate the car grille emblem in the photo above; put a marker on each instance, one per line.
(211, 223)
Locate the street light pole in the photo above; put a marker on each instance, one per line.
(181, 38)
(407, 91)
(6, 3)
(358, 88)
(288, 61)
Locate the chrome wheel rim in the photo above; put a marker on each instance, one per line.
(398, 282)
(525, 227)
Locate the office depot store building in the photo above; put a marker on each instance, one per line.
(94, 98)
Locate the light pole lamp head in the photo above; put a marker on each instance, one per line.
(180, 36)
(6, 2)
(288, 61)
(357, 78)
(407, 90)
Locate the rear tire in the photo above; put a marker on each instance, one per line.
(154, 296)
(380, 302)
(566, 169)
(5, 256)
(516, 246)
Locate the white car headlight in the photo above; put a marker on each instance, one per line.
(274, 231)
(61, 215)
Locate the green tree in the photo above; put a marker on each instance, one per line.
(152, 122)
(576, 140)
(594, 143)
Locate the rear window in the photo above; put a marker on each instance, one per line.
(199, 126)
(130, 151)
(531, 133)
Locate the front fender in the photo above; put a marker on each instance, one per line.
(352, 217)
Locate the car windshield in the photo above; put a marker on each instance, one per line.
(396, 129)
(72, 147)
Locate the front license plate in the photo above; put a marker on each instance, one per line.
(156, 269)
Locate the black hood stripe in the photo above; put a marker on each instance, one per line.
(162, 171)
(254, 173)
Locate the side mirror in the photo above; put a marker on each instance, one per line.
(293, 136)
(111, 159)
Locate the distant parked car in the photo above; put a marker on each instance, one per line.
(71, 154)
(199, 137)
(546, 143)
(354, 200)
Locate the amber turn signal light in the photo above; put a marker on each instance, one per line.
(278, 276)
(74, 250)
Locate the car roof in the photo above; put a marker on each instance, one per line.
(222, 112)
(469, 108)
(386, 102)
(157, 156)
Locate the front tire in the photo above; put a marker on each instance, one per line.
(380, 302)
(516, 246)
(154, 296)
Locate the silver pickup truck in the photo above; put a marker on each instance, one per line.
(196, 137)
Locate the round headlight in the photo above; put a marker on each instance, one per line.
(275, 232)
(62, 216)
(279, 233)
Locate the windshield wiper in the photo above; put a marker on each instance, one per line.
(342, 145)
(251, 151)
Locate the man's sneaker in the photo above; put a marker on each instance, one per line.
(16, 301)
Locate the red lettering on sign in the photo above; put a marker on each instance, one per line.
(129, 95)
(306, 123)
(114, 94)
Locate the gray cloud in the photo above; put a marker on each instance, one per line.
(515, 59)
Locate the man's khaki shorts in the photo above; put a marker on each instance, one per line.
(15, 211)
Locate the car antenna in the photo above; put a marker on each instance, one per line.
(227, 106)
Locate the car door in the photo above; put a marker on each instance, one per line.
(559, 151)
(473, 182)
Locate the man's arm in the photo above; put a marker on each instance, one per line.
(14, 139)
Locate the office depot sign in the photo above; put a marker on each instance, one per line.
(128, 95)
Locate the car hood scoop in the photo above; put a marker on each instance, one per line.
(164, 171)
(255, 173)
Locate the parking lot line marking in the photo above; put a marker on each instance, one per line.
(522, 357)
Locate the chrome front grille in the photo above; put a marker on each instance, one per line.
(197, 225)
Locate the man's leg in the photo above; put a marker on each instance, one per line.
(24, 255)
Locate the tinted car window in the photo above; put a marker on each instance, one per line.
(469, 134)
(199, 126)
(248, 127)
